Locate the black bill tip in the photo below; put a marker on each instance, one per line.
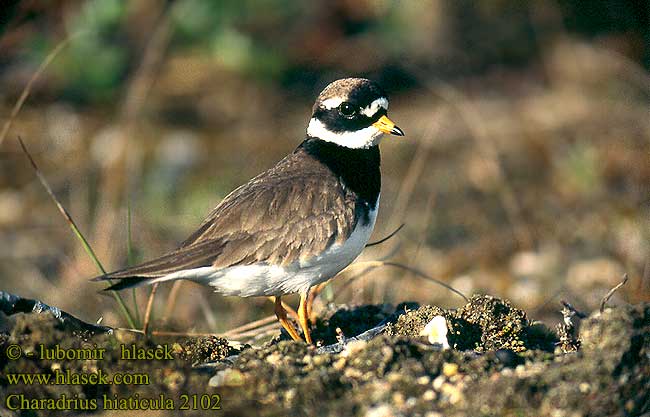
(396, 131)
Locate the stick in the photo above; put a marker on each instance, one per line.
(611, 293)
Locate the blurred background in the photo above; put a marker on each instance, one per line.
(525, 172)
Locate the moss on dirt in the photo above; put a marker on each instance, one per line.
(500, 364)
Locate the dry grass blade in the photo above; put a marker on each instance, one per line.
(129, 257)
(75, 229)
(412, 270)
(257, 333)
(611, 292)
(147, 312)
(28, 88)
(170, 305)
(250, 326)
(384, 239)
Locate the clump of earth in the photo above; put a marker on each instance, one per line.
(498, 363)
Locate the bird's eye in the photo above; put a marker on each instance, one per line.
(347, 109)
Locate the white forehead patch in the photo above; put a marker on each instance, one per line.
(373, 107)
(363, 138)
(332, 102)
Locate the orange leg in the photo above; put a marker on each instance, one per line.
(303, 316)
(281, 314)
(312, 294)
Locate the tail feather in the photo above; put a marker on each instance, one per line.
(124, 283)
(167, 267)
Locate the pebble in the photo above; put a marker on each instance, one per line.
(353, 373)
(423, 380)
(393, 377)
(382, 410)
(320, 360)
(354, 347)
(398, 399)
(274, 358)
(438, 382)
(452, 392)
(387, 353)
(449, 369)
(436, 332)
(227, 377)
(339, 364)
(429, 395)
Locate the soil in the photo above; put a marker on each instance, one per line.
(499, 363)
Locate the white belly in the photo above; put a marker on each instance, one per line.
(256, 280)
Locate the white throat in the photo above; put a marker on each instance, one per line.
(364, 138)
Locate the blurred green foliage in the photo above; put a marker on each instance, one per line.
(290, 41)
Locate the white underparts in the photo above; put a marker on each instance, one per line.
(364, 138)
(262, 279)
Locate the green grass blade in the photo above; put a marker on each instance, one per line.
(125, 311)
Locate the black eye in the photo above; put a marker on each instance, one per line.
(347, 109)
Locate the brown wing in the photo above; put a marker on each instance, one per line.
(295, 210)
(292, 211)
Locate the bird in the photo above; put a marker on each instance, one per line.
(299, 223)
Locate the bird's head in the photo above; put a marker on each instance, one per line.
(351, 112)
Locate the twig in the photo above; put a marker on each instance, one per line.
(414, 271)
(75, 229)
(390, 235)
(249, 326)
(28, 88)
(256, 334)
(147, 313)
(611, 292)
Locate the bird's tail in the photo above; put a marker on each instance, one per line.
(188, 262)
(124, 283)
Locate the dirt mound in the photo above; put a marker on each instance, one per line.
(499, 363)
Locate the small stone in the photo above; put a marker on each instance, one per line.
(174, 380)
(383, 410)
(387, 353)
(274, 358)
(353, 373)
(436, 332)
(398, 399)
(354, 347)
(393, 377)
(429, 395)
(290, 395)
(423, 380)
(319, 360)
(449, 369)
(339, 364)
(584, 387)
(437, 383)
(452, 392)
(227, 377)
